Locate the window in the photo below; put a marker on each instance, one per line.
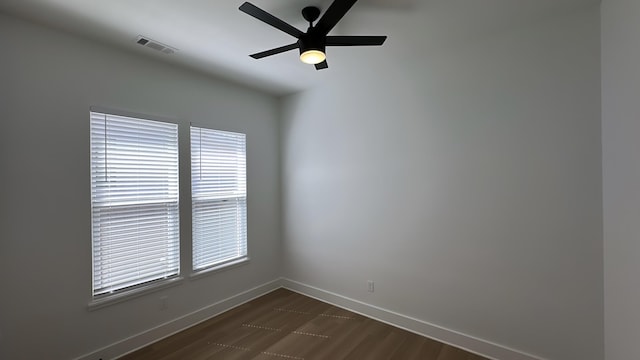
(134, 202)
(219, 197)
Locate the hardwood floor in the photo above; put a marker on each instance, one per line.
(289, 326)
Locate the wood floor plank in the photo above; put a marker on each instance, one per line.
(418, 348)
(284, 325)
(451, 353)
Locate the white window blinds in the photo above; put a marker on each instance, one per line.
(134, 201)
(219, 197)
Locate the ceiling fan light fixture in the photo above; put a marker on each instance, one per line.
(312, 56)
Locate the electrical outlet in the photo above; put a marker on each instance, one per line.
(370, 286)
(164, 302)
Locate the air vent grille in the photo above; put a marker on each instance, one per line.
(155, 45)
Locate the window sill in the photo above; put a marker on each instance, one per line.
(99, 303)
(214, 269)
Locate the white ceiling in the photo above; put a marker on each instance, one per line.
(214, 37)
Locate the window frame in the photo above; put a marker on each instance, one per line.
(102, 300)
(234, 262)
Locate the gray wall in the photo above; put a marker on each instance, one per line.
(621, 154)
(464, 179)
(48, 80)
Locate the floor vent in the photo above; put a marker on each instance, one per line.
(155, 45)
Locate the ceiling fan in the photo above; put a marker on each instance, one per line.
(312, 43)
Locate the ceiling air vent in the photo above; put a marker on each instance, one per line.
(155, 45)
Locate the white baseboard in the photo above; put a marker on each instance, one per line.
(420, 327)
(167, 329)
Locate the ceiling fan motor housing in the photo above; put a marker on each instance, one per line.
(311, 42)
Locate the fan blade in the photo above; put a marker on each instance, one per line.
(355, 40)
(279, 50)
(264, 16)
(334, 13)
(322, 65)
